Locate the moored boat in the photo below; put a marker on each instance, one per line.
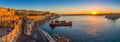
(59, 38)
(60, 23)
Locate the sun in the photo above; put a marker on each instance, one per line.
(94, 12)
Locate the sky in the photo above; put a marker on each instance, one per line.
(65, 6)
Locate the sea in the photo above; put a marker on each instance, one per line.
(86, 28)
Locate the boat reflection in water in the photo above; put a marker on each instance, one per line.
(60, 23)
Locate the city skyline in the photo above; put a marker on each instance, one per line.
(65, 6)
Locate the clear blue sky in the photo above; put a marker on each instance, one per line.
(64, 6)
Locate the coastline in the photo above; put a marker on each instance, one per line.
(26, 28)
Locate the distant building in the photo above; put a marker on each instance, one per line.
(31, 12)
(20, 12)
(12, 12)
(6, 11)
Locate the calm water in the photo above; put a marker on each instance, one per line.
(88, 29)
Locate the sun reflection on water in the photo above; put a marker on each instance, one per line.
(93, 27)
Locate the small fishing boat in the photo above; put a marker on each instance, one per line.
(59, 38)
(60, 23)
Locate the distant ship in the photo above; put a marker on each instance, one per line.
(112, 16)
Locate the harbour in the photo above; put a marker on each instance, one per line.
(98, 29)
(59, 21)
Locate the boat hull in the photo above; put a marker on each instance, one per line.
(66, 24)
